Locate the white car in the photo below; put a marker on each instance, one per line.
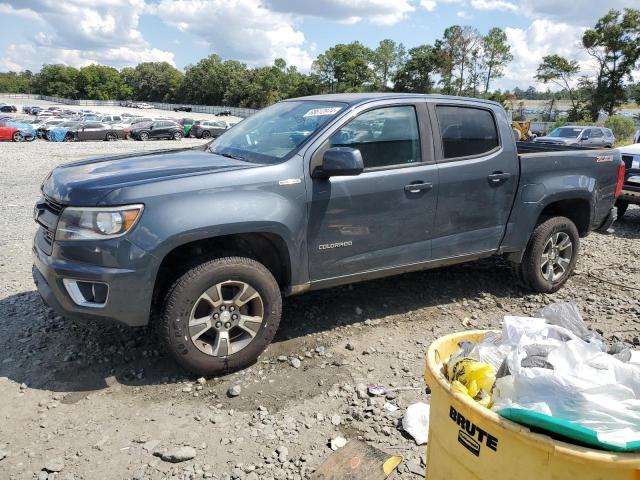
(631, 188)
(143, 105)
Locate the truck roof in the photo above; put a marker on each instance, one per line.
(359, 98)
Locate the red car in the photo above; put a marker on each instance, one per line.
(10, 133)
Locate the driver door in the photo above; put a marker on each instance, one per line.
(382, 218)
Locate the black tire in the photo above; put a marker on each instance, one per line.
(621, 207)
(69, 137)
(177, 135)
(183, 297)
(143, 136)
(111, 137)
(206, 134)
(530, 270)
(17, 137)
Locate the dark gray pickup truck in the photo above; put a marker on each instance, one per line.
(309, 193)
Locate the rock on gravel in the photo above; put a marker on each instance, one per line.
(54, 465)
(234, 391)
(179, 454)
(338, 442)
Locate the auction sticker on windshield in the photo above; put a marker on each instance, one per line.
(320, 112)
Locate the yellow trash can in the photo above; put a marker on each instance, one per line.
(468, 441)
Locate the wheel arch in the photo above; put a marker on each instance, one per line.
(267, 248)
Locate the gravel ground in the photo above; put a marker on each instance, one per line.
(85, 400)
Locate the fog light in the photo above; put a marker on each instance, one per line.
(87, 294)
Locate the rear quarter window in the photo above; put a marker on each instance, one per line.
(466, 131)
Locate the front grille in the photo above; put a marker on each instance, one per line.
(628, 160)
(47, 213)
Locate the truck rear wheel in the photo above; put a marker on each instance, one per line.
(550, 256)
(221, 315)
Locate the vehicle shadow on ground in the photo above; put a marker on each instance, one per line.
(629, 225)
(51, 353)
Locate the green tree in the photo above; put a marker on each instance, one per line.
(12, 82)
(154, 81)
(56, 80)
(614, 43)
(345, 67)
(623, 127)
(387, 58)
(496, 54)
(417, 73)
(100, 82)
(560, 71)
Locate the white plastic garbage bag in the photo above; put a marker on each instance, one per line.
(416, 422)
(584, 385)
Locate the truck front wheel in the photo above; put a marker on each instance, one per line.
(551, 255)
(221, 315)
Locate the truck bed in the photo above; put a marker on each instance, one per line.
(532, 147)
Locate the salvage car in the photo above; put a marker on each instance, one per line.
(309, 193)
(8, 108)
(210, 128)
(631, 190)
(16, 131)
(182, 108)
(157, 129)
(83, 131)
(579, 136)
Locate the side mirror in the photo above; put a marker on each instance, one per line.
(150, 127)
(339, 162)
(584, 137)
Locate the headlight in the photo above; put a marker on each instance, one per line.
(78, 223)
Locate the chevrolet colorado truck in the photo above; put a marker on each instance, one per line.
(309, 193)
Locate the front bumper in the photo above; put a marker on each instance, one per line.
(130, 290)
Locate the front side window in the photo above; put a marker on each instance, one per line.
(386, 136)
(276, 132)
(466, 131)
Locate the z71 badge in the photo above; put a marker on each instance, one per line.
(604, 158)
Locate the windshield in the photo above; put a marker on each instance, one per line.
(271, 135)
(566, 132)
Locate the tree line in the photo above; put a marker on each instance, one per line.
(462, 62)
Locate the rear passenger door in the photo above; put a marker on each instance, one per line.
(597, 138)
(478, 173)
(383, 217)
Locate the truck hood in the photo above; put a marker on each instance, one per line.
(630, 149)
(87, 182)
(556, 140)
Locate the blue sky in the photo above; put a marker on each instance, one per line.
(126, 32)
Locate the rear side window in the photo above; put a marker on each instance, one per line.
(596, 133)
(387, 136)
(466, 131)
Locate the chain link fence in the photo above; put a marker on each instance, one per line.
(235, 111)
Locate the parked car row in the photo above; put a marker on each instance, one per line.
(109, 128)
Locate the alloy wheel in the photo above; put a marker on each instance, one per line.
(556, 256)
(226, 318)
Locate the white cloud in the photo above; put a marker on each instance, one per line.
(244, 30)
(7, 9)
(380, 12)
(493, 5)
(428, 5)
(575, 12)
(541, 38)
(77, 33)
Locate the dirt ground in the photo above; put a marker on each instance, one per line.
(95, 400)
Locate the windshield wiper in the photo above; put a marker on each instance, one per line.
(230, 155)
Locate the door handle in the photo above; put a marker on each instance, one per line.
(497, 178)
(417, 187)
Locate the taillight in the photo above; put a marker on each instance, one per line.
(620, 182)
